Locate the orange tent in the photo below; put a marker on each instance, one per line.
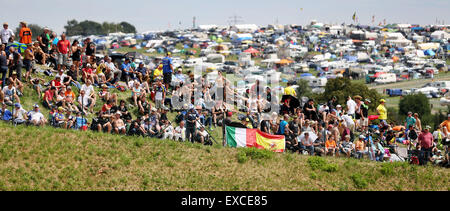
(395, 59)
(284, 61)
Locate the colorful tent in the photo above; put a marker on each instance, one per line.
(251, 50)
(284, 62)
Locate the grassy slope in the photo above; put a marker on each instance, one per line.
(55, 159)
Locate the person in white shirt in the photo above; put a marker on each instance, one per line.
(202, 134)
(37, 118)
(110, 65)
(5, 34)
(168, 130)
(19, 114)
(351, 107)
(348, 121)
(89, 91)
(180, 132)
(85, 102)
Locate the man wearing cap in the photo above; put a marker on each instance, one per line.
(167, 69)
(426, 145)
(19, 114)
(377, 151)
(25, 33)
(5, 34)
(158, 72)
(37, 118)
(382, 111)
(365, 113)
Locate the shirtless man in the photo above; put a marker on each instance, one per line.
(28, 60)
(119, 125)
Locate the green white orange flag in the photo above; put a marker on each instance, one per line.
(243, 137)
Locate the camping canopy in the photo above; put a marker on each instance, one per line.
(19, 46)
(251, 50)
(284, 61)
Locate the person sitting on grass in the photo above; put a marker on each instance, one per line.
(104, 123)
(360, 147)
(377, 151)
(36, 117)
(202, 135)
(180, 132)
(85, 102)
(70, 99)
(136, 92)
(119, 125)
(345, 146)
(70, 120)
(105, 95)
(167, 130)
(10, 94)
(36, 82)
(80, 122)
(16, 83)
(330, 146)
(6, 115)
(60, 119)
(307, 143)
(19, 114)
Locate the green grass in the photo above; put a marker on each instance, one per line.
(46, 158)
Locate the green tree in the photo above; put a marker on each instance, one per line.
(417, 103)
(127, 27)
(303, 88)
(344, 87)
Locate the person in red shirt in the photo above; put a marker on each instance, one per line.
(56, 83)
(64, 50)
(425, 145)
(25, 33)
(48, 97)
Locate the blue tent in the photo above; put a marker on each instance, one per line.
(305, 75)
(429, 52)
(417, 28)
(350, 58)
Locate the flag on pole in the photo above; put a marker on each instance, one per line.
(244, 137)
(373, 18)
(354, 16)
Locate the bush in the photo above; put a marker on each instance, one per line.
(330, 167)
(316, 162)
(256, 153)
(359, 181)
(417, 103)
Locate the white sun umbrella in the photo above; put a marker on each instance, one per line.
(312, 135)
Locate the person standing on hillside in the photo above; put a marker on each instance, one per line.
(64, 50)
(5, 34)
(25, 33)
(167, 69)
(382, 111)
(44, 40)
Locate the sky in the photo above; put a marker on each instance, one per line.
(147, 15)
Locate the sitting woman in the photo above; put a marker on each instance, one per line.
(105, 95)
(136, 92)
(330, 146)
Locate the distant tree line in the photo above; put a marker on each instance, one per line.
(88, 27)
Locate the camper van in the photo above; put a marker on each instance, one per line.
(318, 82)
(386, 78)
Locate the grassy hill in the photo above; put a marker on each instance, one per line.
(34, 158)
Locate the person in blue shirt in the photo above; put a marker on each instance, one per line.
(126, 69)
(167, 69)
(5, 114)
(283, 125)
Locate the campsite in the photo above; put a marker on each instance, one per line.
(317, 106)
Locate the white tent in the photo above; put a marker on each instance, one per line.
(440, 35)
(426, 46)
